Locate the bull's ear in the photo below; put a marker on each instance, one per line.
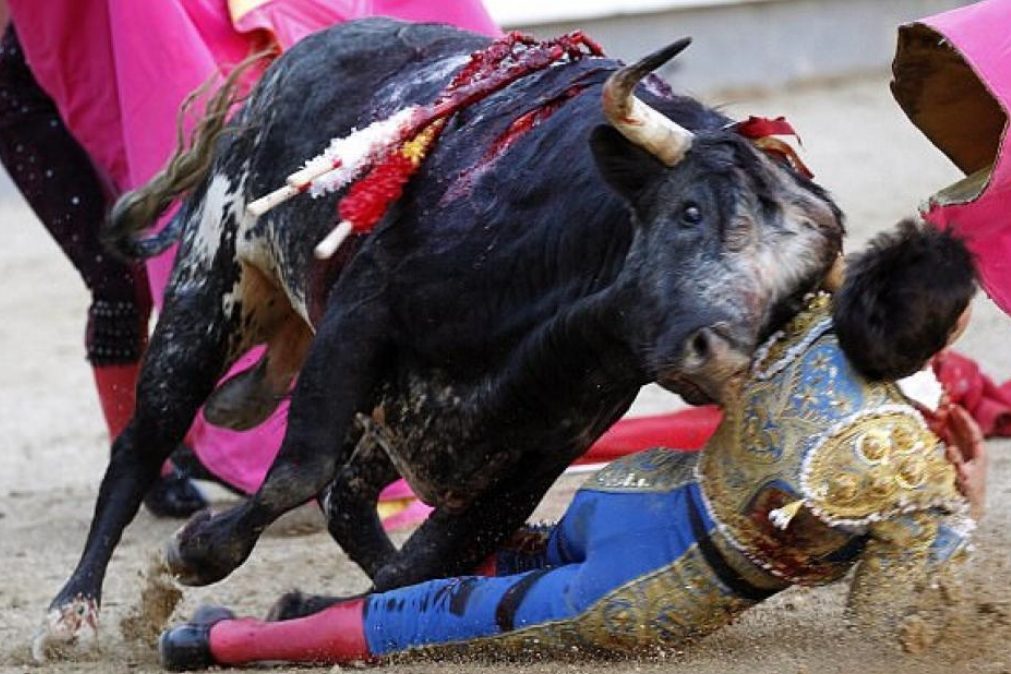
(626, 167)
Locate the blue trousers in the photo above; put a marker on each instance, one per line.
(605, 541)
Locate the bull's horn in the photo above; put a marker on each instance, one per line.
(638, 122)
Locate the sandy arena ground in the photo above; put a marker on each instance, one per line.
(54, 450)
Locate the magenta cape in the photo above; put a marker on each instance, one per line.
(952, 77)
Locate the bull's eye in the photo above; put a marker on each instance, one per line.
(691, 214)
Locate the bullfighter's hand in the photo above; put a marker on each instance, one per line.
(967, 452)
(938, 419)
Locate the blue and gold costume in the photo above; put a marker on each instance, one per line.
(812, 470)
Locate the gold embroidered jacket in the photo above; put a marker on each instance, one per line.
(813, 468)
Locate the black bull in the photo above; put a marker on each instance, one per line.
(497, 321)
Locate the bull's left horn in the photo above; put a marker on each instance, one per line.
(638, 122)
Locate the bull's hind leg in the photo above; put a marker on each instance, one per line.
(189, 350)
(339, 379)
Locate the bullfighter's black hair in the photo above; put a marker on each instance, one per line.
(902, 298)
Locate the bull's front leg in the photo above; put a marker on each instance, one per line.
(339, 379)
(452, 543)
(350, 502)
(172, 385)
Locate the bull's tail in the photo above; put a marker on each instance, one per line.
(189, 164)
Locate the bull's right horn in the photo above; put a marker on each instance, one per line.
(641, 124)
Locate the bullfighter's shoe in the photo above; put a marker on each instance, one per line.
(335, 634)
(174, 495)
(187, 647)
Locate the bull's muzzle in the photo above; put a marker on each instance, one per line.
(713, 362)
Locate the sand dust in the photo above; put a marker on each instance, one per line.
(158, 599)
(54, 452)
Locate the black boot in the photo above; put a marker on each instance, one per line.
(187, 647)
(174, 495)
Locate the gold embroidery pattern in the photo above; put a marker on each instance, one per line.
(876, 465)
(652, 470)
(875, 459)
(893, 569)
(778, 351)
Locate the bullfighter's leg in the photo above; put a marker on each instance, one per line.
(346, 362)
(187, 353)
(580, 562)
(452, 542)
(532, 547)
(466, 614)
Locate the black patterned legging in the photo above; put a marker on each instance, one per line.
(60, 183)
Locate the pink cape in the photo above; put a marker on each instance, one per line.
(952, 77)
(118, 71)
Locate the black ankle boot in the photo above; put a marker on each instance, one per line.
(187, 647)
(174, 495)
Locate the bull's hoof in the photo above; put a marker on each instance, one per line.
(203, 551)
(68, 629)
(174, 496)
(394, 575)
(187, 647)
(295, 604)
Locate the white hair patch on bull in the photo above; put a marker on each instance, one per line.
(222, 204)
(229, 299)
(781, 264)
(393, 95)
(265, 252)
(785, 256)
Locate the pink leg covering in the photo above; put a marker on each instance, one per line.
(332, 636)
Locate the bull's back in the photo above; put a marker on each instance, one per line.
(326, 86)
(475, 219)
(504, 224)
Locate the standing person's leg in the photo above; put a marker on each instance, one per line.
(61, 185)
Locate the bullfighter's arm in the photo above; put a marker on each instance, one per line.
(904, 556)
